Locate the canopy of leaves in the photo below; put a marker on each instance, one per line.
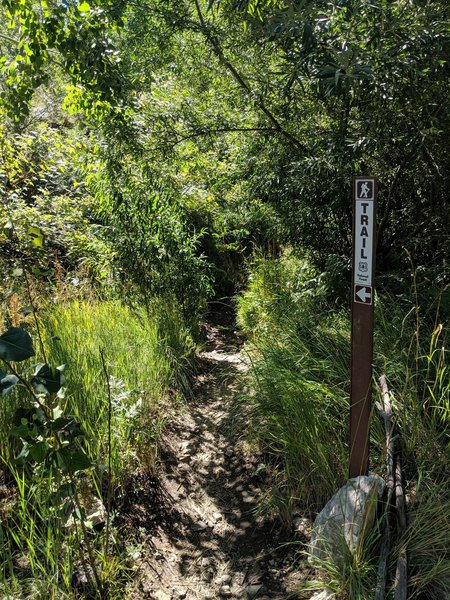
(230, 123)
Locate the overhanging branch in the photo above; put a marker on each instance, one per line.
(219, 130)
(239, 78)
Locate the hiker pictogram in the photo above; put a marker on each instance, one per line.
(365, 189)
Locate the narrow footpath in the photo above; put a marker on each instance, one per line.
(206, 538)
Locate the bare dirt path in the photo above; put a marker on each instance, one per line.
(206, 539)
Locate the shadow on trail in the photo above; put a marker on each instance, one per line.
(212, 541)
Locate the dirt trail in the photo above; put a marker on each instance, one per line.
(206, 540)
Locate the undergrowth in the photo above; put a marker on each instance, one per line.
(125, 370)
(145, 361)
(300, 386)
(300, 351)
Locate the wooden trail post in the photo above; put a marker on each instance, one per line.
(364, 244)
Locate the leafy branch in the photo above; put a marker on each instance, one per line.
(219, 130)
(240, 79)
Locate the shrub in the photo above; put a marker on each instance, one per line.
(82, 440)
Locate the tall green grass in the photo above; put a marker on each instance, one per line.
(300, 352)
(147, 361)
(350, 576)
(299, 373)
(125, 372)
(427, 541)
(37, 556)
(42, 558)
(412, 351)
(410, 348)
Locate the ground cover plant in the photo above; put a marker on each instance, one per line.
(145, 355)
(300, 387)
(49, 456)
(418, 366)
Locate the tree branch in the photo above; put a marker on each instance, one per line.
(215, 45)
(417, 144)
(222, 130)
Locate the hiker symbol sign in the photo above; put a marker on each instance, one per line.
(363, 240)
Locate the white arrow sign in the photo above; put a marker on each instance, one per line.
(364, 294)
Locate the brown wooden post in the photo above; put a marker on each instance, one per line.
(364, 244)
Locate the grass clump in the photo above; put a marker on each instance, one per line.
(418, 369)
(299, 362)
(147, 360)
(427, 542)
(352, 579)
(300, 351)
(38, 556)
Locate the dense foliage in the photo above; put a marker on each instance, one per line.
(156, 155)
(300, 384)
(255, 135)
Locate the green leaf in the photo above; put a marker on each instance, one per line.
(16, 344)
(62, 459)
(65, 490)
(57, 412)
(24, 416)
(39, 451)
(61, 423)
(47, 379)
(24, 455)
(70, 460)
(36, 236)
(67, 509)
(79, 461)
(84, 7)
(21, 431)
